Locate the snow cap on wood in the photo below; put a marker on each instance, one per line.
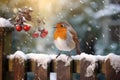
(42, 59)
(64, 58)
(92, 59)
(17, 54)
(5, 23)
(114, 61)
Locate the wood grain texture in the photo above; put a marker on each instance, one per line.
(110, 73)
(18, 69)
(41, 73)
(63, 72)
(83, 67)
(1, 54)
(5, 34)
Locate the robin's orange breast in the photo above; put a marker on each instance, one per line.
(61, 33)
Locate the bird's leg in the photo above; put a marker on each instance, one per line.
(69, 56)
(58, 54)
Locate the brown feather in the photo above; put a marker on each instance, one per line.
(75, 38)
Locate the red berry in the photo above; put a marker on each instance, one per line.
(35, 35)
(18, 28)
(43, 33)
(26, 27)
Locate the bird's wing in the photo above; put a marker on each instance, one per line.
(75, 38)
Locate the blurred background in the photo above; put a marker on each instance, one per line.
(97, 23)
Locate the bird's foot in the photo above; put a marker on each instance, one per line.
(58, 55)
(69, 56)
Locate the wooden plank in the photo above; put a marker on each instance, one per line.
(76, 66)
(63, 72)
(33, 65)
(53, 66)
(41, 73)
(4, 31)
(83, 67)
(109, 72)
(10, 65)
(28, 65)
(19, 69)
(1, 54)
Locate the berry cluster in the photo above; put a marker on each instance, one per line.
(21, 18)
(20, 22)
(24, 27)
(42, 33)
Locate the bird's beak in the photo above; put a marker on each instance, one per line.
(54, 27)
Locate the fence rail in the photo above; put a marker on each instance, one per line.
(18, 67)
(63, 72)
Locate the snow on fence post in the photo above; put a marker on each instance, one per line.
(18, 69)
(63, 72)
(110, 73)
(84, 73)
(5, 47)
(40, 64)
(42, 73)
(19, 66)
(64, 68)
(111, 67)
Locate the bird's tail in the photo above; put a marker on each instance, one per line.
(78, 51)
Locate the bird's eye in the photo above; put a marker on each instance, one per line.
(62, 25)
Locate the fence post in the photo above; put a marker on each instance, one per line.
(63, 72)
(19, 69)
(41, 73)
(109, 72)
(5, 43)
(83, 67)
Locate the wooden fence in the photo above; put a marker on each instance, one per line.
(18, 70)
(63, 72)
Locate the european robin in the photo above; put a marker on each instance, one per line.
(65, 38)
